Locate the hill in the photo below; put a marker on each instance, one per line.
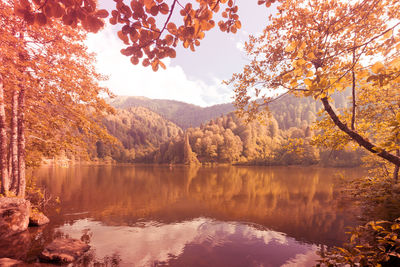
(140, 131)
(151, 130)
(289, 111)
(182, 114)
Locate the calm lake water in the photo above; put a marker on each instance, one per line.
(149, 215)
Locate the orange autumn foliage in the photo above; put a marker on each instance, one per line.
(150, 29)
(59, 96)
(317, 48)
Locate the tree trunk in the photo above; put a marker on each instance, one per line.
(358, 138)
(14, 144)
(353, 93)
(396, 169)
(21, 143)
(5, 182)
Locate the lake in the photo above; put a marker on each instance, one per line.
(151, 215)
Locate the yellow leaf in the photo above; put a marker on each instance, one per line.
(300, 62)
(363, 74)
(377, 67)
(308, 82)
(162, 65)
(395, 226)
(388, 34)
(311, 55)
(291, 47)
(293, 83)
(396, 62)
(286, 77)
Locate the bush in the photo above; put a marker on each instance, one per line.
(376, 243)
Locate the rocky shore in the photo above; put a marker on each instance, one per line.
(16, 215)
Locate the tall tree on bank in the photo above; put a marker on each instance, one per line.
(189, 157)
(49, 94)
(316, 48)
(5, 182)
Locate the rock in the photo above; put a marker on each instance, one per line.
(63, 250)
(38, 219)
(14, 215)
(7, 262)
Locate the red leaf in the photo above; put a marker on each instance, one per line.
(102, 13)
(40, 19)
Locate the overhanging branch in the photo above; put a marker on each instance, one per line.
(358, 138)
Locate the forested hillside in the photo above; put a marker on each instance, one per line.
(284, 139)
(289, 111)
(182, 114)
(140, 132)
(228, 139)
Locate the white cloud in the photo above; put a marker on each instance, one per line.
(137, 246)
(240, 46)
(172, 83)
(308, 258)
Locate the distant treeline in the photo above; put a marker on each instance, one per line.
(283, 139)
(228, 139)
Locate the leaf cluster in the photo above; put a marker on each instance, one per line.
(147, 27)
(376, 243)
(63, 94)
(319, 48)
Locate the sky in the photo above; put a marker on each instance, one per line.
(192, 77)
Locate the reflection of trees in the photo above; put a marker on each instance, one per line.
(297, 201)
(15, 246)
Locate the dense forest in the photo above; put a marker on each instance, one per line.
(285, 137)
(228, 139)
(140, 132)
(289, 111)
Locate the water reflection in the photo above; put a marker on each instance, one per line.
(209, 216)
(199, 242)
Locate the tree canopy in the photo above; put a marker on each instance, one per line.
(51, 90)
(316, 48)
(148, 28)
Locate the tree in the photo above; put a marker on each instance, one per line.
(273, 128)
(315, 48)
(147, 26)
(49, 88)
(189, 157)
(231, 148)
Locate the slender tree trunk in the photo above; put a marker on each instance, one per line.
(358, 138)
(21, 143)
(353, 93)
(14, 144)
(396, 169)
(9, 167)
(5, 182)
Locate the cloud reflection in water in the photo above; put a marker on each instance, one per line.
(198, 242)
